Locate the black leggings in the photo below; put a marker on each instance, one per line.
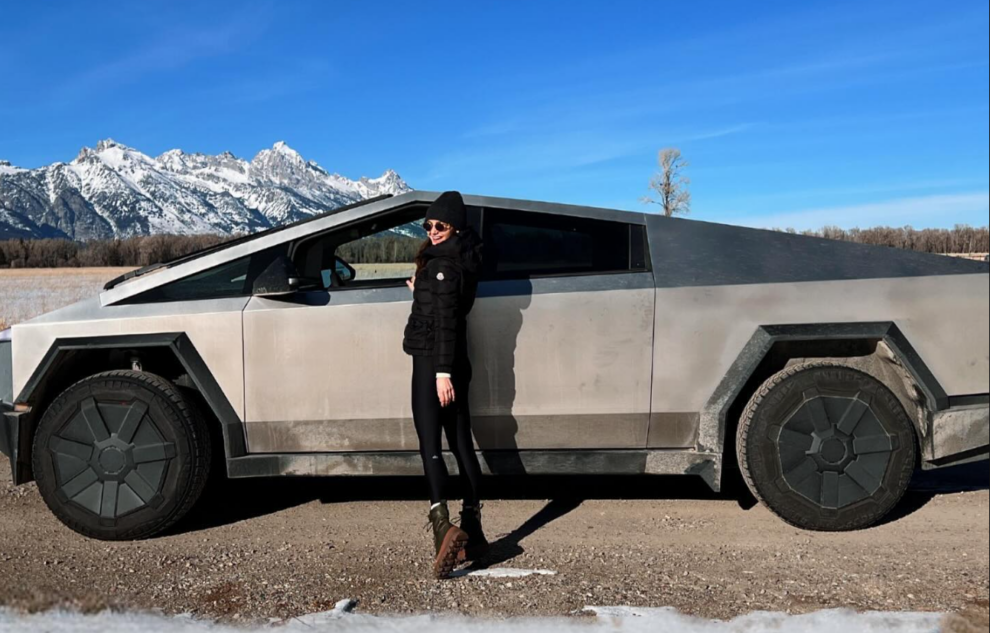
(454, 420)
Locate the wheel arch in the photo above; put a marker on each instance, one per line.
(879, 349)
(171, 355)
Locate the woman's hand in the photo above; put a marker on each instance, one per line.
(411, 283)
(445, 391)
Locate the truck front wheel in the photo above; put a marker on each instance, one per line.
(121, 455)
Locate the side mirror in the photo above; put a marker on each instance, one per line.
(275, 279)
(305, 283)
(345, 271)
(339, 275)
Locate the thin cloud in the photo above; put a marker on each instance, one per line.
(496, 128)
(572, 105)
(890, 187)
(536, 156)
(713, 134)
(900, 212)
(173, 50)
(573, 97)
(293, 79)
(885, 118)
(553, 153)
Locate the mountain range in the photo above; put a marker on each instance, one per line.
(116, 191)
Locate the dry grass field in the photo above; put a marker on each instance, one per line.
(377, 271)
(30, 292)
(976, 257)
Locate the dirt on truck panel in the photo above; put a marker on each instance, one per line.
(290, 547)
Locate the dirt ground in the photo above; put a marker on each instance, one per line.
(277, 548)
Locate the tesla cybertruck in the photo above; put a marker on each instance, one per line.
(603, 342)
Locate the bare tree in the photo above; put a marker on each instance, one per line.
(670, 183)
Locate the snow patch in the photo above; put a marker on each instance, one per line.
(501, 572)
(342, 608)
(831, 621)
(609, 620)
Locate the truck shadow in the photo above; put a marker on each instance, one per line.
(230, 501)
(926, 485)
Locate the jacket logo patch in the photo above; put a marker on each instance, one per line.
(440, 276)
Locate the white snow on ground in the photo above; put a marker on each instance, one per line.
(502, 572)
(609, 620)
(832, 621)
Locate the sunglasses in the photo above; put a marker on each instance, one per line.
(440, 226)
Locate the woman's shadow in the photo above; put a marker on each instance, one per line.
(492, 344)
(495, 425)
(508, 547)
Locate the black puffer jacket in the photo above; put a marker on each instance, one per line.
(443, 297)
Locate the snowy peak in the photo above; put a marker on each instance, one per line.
(108, 144)
(113, 190)
(114, 156)
(7, 168)
(282, 148)
(279, 153)
(388, 183)
(281, 165)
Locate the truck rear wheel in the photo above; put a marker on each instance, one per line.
(121, 455)
(826, 447)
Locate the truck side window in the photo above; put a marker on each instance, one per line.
(520, 244)
(233, 279)
(381, 250)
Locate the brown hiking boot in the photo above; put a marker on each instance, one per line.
(477, 545)
(448, 541)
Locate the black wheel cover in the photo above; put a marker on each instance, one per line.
(110, 458)
(120, 456)
(827, 447)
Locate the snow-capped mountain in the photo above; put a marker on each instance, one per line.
(116, 191)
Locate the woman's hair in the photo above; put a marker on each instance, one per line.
(420, 260)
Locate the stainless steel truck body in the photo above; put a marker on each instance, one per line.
(602, 342)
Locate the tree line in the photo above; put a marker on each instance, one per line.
(132, 251)
(961, 239)
(387, 249)
(144, 251)
(154, 249)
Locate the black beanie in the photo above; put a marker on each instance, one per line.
(449, 208)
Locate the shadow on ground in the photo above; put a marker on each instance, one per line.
(509, 546)
(230, 501)
(926, 485)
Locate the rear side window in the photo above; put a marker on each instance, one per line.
(233, 279)
(521, 244)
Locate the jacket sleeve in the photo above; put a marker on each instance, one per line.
(446, 289)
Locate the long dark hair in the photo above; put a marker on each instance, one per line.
(420, 260)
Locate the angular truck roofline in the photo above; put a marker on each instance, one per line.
(308, 227)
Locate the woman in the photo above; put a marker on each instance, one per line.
(443, 290)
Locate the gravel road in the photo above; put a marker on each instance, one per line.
(274, 549)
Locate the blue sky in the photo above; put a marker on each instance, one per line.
(794, 114)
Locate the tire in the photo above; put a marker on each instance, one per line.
(121, 455)
(826, 447)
